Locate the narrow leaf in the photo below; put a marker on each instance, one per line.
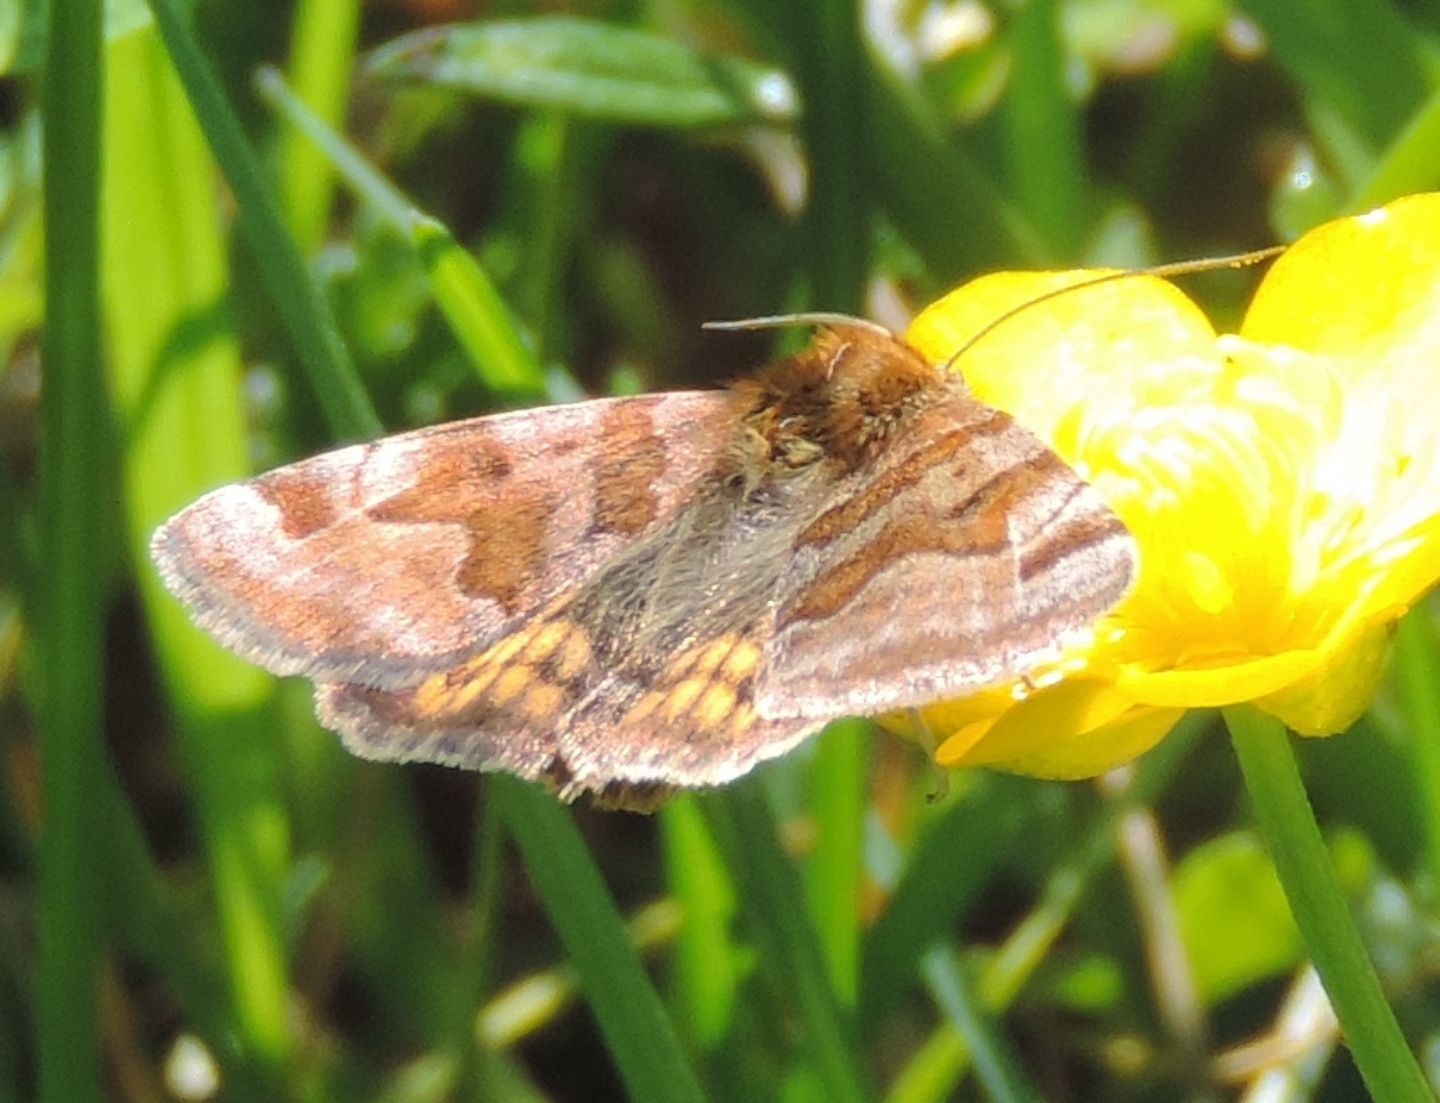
(591, 69)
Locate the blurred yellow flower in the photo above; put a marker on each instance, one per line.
(1283, 483)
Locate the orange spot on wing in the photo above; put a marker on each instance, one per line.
(715, 706)
(512, 682)
(679, 699)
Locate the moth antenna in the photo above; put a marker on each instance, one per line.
(1164, 271)
(805, 318)
(835, 359)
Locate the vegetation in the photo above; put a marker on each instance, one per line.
(263, 228)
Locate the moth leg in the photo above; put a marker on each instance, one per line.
(925, 736)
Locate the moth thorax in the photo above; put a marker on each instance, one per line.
(876, 386)
(838, 400)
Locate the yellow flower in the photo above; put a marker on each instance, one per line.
(1283, 483)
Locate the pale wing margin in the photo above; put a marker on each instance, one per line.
(380, 562)
(574, 759)
(968, 556)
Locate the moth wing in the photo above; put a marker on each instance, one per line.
(381, 562)
(629, 765)
(966, 555)
(640, 680)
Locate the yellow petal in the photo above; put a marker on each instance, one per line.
(1283, 485)
(1225, 681)
(1364, 291)
(1037, 357)
(1100, 749)
(1079, 728)
(1339, 689)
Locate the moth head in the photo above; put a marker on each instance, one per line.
(841, 398)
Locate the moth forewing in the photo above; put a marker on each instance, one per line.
(964, 557)
(625, 595)
(383, 562)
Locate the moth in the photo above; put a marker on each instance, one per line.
(627, 595)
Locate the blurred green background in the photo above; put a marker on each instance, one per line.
(549, 200)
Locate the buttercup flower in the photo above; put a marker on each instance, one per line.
(1283, 483)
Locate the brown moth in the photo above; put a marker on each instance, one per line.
(626, 595)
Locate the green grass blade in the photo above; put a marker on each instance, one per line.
(548, 198)
(1277, 797)
(742, 822)
(706, 962)
(590, 69)
(469, 300)
(175, 366)
(388, 873)
(477, 313)
(938, 1067)
(322, 55)
(293, 290)
(1169, 118)
(996, 1066)
(824, 38)
(639, 1034)
(479, 1065)
(947, 868)
(1044, 138)
(71, 593)
(836, 866)
(1417, 658)
(1024, 950)
(161, 933)
(947, 208)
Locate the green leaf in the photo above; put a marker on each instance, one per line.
(1359, 66)
(1225, 886)
(591, 69)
